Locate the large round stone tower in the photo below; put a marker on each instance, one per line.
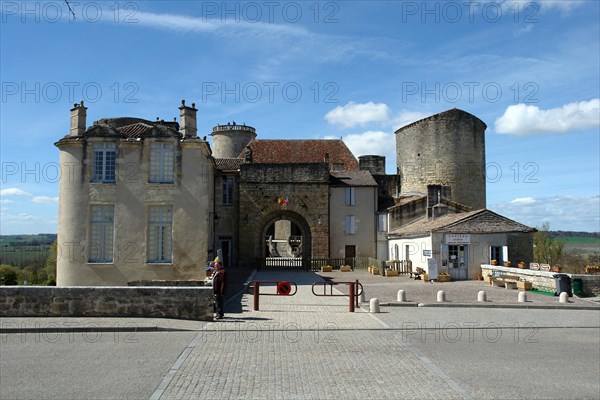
(447, 150)
(231, 139)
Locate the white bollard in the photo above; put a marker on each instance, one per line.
(361, 297)
(374, 306)
(481, 296)
(522, 297)
(563, 297)
(441, 296)
(401, 296)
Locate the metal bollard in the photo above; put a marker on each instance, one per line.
(563, 297)
(256, 295)
(374, 306)
(522, 297)
(401, 296)
(481, 296)
(351, 306)
(441, 296)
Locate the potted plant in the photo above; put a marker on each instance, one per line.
(522, 265)
(507, 263)
(556, 268)
(494, 262)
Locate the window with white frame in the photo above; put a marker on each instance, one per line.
(499, 253)
(101, 233)
(350, 225)
(382, 222)
(161, 163)
(104, 162)
(160, 239)
(350, 196)
(227, 187)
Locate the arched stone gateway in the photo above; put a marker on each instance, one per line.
(286, 240)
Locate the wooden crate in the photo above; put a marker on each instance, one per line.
(521, 285)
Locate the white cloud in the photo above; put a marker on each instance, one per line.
(226, 26)
(406, 117)
(44, 200)
(530, 8)
(562, 5)
(13, 192)
(6, 201)
(371, 143)
(522, 119)
(567, 213)
(358, 114)
(523, 200)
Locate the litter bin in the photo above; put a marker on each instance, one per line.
(578, 286)
(563, 284)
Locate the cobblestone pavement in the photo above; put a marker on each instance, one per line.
(302, 347)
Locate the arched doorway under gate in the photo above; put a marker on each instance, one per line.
(286, 242)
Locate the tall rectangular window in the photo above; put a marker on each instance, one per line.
(101, 233)
(160, 238)
(227, 188)
(350, 225)
(350, 196)
(104, 162)
(161, 163)
(382, 222)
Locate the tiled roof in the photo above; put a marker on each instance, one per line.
(268, 151)
(402, 200)
(352, 178)
(139, 129)
(453, 113)
(478, 221)
(228, 164)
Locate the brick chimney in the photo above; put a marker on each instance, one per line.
(78, 115)
(187, 120)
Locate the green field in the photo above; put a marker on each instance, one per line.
(583, 245)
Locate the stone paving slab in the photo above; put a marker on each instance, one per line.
(303, 347)
(462, 292)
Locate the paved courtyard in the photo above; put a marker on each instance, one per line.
(308, 347)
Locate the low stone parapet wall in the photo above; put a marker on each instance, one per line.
(544, 280)
(193, 303)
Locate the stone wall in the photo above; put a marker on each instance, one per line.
(306, 188)
(544, 280)
(444, 149)
(78, 301)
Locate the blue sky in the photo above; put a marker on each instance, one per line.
(356, 70)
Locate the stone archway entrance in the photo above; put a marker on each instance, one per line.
(286, 242)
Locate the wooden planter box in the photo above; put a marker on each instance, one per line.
(524, 285)
(425, 277)
(391, 272)
(488, 278)
(327, 268)
(444, 278)
(345, 268)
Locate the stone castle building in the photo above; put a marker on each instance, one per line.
(150, 200)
